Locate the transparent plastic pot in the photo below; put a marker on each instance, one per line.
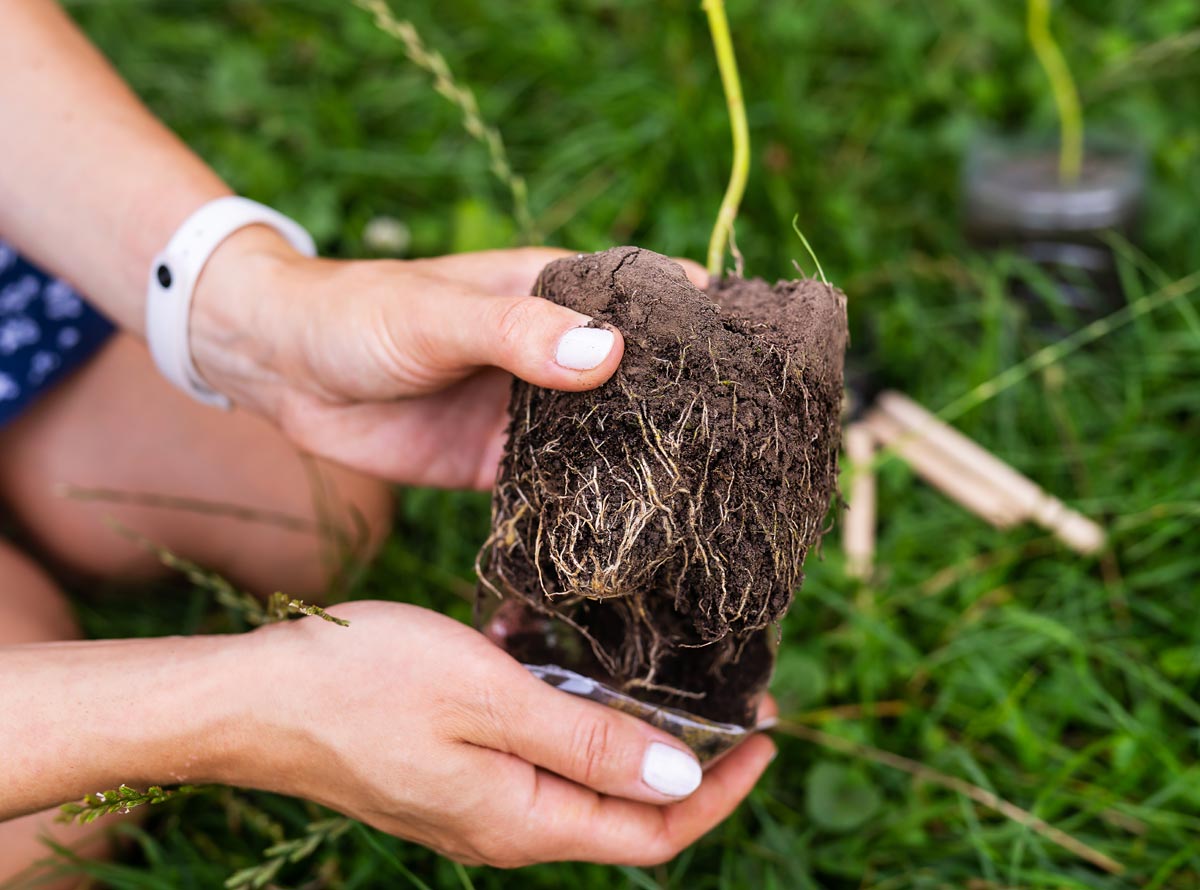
(1013, 197)
(555, 653)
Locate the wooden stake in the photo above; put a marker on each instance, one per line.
(1025, 498)
(858, 529)
(933, 465)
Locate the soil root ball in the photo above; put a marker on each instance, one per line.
(666, 515)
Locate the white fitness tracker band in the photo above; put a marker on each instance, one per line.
(173, 276)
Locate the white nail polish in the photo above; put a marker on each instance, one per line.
(582, 349)
(670, 771)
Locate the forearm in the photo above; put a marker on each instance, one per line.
(78, 718)
(91, 184)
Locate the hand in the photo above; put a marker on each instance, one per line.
(420, 727)
(397, 368)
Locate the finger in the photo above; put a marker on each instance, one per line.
(768, 711)
(494, 271)
(575, 824)
(596, 746)
(537, 340)
(725, 786)
(696, 273)
(515, 271)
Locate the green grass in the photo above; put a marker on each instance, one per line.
(1066, 685)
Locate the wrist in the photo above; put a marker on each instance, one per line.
(226, 729)
(197, 707)
(268, 740)
(240, 310)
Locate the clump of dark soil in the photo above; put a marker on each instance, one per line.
(666, 515)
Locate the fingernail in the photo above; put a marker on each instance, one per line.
(582, 349)
(670, 771)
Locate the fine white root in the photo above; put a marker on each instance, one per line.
(643, 506)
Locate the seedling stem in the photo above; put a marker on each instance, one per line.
(1066, 96)
(722, 231)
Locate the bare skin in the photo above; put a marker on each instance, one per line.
(395, 370)
(117, 425)
(33, 610)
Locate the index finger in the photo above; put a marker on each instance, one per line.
(515, 271)
(494, 272)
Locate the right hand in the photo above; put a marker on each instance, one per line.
(397, 368)
(421, 727)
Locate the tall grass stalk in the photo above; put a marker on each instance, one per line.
(981, 796)
(463, 98)
(1059, 350)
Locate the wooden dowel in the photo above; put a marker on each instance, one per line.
(963, 450)
(858, 529)
(1028, 500)
(971, 491)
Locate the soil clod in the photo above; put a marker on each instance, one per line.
(665, 516)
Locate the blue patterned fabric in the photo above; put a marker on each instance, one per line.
(46, 331)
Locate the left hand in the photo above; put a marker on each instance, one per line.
(397, 368)
(440, 737)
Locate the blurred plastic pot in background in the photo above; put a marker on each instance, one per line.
(1013, 197)
(557, 653)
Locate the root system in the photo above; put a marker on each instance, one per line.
(666, 516)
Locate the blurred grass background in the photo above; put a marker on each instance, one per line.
(1064, 684)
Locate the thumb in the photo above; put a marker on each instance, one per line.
(596, 746)
(537, 340)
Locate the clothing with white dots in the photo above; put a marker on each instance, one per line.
(46, 331)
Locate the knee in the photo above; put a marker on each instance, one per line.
(352, 517)
(32, 608)
(306, 544)
(25, 857)
(302, 540)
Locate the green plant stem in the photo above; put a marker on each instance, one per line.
(280, 854)
(812, 253)
(718, 24)
(388, 856)
(1066, 96)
